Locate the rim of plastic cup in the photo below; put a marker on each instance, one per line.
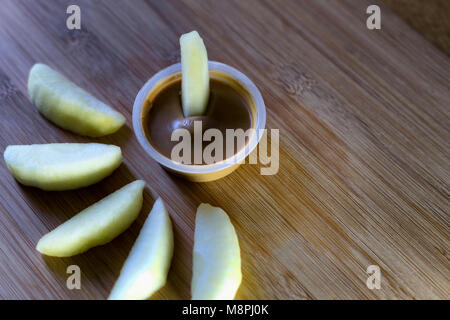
(260, 120)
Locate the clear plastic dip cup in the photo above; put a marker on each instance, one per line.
(204, 172)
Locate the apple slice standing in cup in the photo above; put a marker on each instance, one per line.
(175, 109)
(195, 74)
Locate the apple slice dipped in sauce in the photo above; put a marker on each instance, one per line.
(62, 166)
(95, 225)
(216, 268)
(69, 106)
(194, 74)
(145, 270)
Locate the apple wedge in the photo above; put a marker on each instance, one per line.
(95, 225)
(69, 106)
(194, 74)
(145, 270)
(62, 166)
(216, 268)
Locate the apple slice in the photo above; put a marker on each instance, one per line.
(69, 106)
(95, 225)
(195, 75)
(62, 166)
(145, 270)
(216, 270)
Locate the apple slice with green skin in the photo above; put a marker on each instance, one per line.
(62, 166)
(194, 74)
(95, 225)
(69, 106)
(145, 270)
(216, 268)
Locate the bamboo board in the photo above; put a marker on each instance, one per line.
(364, 146)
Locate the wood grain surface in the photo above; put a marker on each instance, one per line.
(430, 18)
(364, 121)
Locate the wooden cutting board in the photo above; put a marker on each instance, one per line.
(364, 146)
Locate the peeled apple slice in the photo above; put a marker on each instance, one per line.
(95, 225)
(195, 75)
(145, 270)
(62, 166)
(217, 260)
(69, 106)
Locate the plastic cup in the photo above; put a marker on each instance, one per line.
(207, 172)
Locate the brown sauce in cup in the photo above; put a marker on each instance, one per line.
(229, 107)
